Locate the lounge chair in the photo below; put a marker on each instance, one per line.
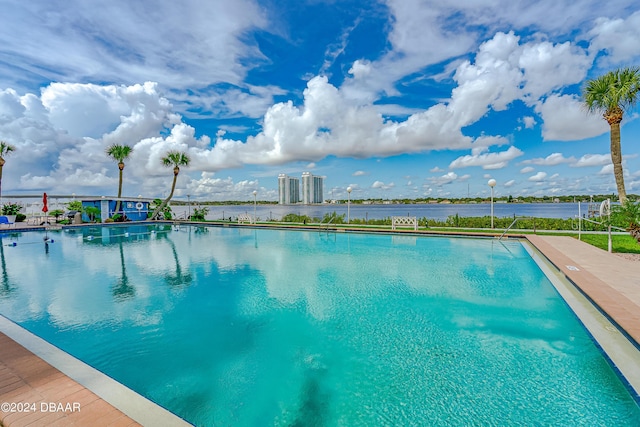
(5, 221)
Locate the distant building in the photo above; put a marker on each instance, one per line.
(312, 188)
(288, 189)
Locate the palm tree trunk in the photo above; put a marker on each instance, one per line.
(1, 166)
(119, 192)
(616, 159)
(166, 201)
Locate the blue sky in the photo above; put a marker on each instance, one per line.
(395, 98)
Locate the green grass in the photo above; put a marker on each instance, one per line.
(619, 243)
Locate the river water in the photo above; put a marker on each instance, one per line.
(430, 211)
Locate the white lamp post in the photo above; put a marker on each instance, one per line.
(348, 204)
(492, 183)
(255, 204)
(189, 205)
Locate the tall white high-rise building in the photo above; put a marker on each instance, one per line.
(312, 188)
(288, 189)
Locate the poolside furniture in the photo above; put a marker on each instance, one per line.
(404, 221)
(36, 219)
(5, 221)
(245, 218)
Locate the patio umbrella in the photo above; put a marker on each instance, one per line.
(45, 208)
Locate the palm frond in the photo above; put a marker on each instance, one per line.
(616, 89)
(119, 152)
(176, 159)
(6, 148)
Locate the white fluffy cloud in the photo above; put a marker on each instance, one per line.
(382, 186)
(175, 44)
(551, 66)
(55, 150)
(552, 159)
(329, 123)
(48, 131)
(529, 122)
(565, 119)
(505, 70)
(606, 170)
(439, 181)
(208, 187)
(487, 160)
(592, 160)
(618, 37)
(540, 176)
(422, 35)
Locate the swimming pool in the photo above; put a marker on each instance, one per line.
(240, 326)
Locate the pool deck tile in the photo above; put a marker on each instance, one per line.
(25, 378)
(611, 282)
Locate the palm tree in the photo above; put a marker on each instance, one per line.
(119, 153)
(612, 94)
(175, 159)
(5, 148)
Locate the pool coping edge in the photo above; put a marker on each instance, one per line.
(611, 337)
(132, 404)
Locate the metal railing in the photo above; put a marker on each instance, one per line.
(512, 224)
(334, 216)
(181, 217)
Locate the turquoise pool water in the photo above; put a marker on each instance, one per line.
(244, 327)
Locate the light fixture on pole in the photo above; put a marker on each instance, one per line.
(348, 204)
(492, 183)
(255, 204)
(189, 205)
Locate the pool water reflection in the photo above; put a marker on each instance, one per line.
(238, 326)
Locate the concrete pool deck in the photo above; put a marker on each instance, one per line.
(611, 282)
(27, 380)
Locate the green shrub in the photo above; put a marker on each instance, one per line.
(166, 211)
(199, 213)
(296, 218)
(75, 205)
(57, 213)
(11, 209)
(93, 213)
(20, 217)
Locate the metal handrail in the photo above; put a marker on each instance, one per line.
(182, 217)
(602, 223)
(511, 225)
(334, 216)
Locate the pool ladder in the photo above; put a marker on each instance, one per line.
(512, 224)
(334, 216)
